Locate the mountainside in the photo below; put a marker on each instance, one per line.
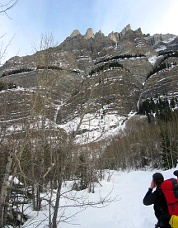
(91, 83)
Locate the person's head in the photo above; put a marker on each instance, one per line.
(158, 178)
(176, 173)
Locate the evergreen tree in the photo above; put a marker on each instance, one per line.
(172, 103)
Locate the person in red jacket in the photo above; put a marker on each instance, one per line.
(158, 199)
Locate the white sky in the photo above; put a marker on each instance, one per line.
(30, 19)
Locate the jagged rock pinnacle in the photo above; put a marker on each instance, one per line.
(89, 34)
(127, 28)
(113, 37)
(139, 31)
(100, 32)
(75, 33)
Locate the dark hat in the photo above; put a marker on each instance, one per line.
(176, 173)
(158, 178)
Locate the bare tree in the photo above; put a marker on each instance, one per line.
(44, 157)
(5, 7)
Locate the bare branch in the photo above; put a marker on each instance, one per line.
(4, 8)
(4, 50)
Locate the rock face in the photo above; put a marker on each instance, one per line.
(113, 36)
(104, 74)
(157, 38)
(89, 34)
(75, 33)
(161, 83)
(126, 29)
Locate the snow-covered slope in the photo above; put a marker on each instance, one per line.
(123, 193)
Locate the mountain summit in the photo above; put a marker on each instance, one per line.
(115, 36)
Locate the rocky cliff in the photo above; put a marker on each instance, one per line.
(93, 75)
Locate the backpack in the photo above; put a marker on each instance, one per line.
(170, 189)
(173, 222)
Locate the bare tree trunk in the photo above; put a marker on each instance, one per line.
(4, 8)
(58, 195)
(4, 188)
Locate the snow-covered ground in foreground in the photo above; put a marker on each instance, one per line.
(125, 191)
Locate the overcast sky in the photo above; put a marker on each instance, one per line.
(30, 19)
